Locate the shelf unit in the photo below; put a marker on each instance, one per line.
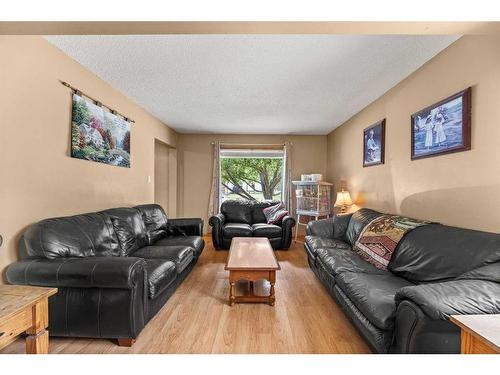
(313, 200)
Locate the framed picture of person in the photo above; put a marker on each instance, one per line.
(374, 144)
(443, 127)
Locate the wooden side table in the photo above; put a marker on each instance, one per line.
(25, 309)
(480, 334)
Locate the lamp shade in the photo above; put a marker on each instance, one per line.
(343, 199)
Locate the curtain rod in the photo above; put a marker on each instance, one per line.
(250, 144)
(96, 102)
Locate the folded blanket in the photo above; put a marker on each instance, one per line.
(381, 236)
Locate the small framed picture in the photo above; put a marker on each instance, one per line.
(374, 144)
(443, 127)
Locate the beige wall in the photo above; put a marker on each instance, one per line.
(461, 189)
(38, 178)
(195, 156)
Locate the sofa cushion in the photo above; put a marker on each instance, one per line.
(155, 220)
(313, 243)
(180, 255)
(373, 295)
(74, 236)
(196, 242)
(160, 274)
(357, 222)
(231, 230)
(266, 230)
(237, 212)
(489, 272)
(456, 297)
(129, 228)
(338, 260)
(341, 223)
(379, 339)
(438, 252)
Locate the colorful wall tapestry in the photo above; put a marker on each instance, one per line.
(99, 135)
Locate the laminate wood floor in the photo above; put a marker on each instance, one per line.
(198, 318)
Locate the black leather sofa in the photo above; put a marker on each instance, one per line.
(246, 219)
(436, 271)
(114, 269)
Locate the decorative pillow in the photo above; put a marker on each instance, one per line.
(275, 214)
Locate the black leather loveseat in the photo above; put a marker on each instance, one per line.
(435, 271)
(114, 269)
(246, 219)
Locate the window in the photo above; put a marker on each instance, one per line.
(255, 175)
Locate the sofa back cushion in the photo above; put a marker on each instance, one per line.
(246, 212)
(237, 212)
(155, 220)
(83, 235)
(258, 215)
(340, 225)
(129, 228)
(437, 252)
(358, 221)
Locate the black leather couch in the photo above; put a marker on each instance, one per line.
(114, 269)
(246, 219)
(436, 271)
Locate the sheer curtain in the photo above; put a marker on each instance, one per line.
(287, 176)
(213, 203)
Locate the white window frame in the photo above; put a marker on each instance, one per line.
(252, 152)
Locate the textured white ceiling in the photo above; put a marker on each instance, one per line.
(260, 84)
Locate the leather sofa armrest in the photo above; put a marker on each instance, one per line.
(91, 272)
(440, 300)
(416, 333)
(320, 228)
(217, 221)
(287, 224)
(186, 226)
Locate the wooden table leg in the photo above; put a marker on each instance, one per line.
(37, 341)
(272, 280)
(231, 294)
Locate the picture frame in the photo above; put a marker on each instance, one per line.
(443, 127)
(374, 144)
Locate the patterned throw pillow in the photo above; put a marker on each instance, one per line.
(274, 214)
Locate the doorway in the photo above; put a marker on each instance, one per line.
(165, 178)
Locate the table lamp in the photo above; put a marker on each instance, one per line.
(343, 200)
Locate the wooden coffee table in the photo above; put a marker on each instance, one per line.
(25, 309)
(252, 259)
